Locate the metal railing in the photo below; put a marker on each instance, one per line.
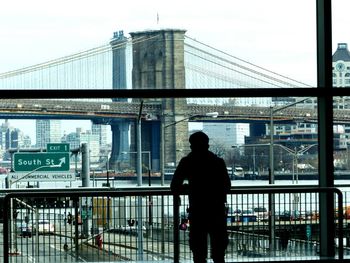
(148, 224)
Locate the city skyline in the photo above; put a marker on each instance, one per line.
(68, 126)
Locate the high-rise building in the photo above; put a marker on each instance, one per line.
(101, 132)
(4, 135)
(94, 145)
(47, 131)
(75, 139)
(226, 134)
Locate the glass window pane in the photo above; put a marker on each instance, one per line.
(239, 131)
(227, 45)
(341, 54)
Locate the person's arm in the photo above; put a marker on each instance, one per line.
(227, 180)
(177, 182)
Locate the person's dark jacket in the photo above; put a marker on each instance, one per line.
(208, 181)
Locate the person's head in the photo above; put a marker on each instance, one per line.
(199, 141)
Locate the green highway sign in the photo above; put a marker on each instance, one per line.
(57, 147)
(27, 162)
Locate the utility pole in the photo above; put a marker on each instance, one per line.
(85, 177)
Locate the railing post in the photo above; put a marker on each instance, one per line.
(76, 226)
(340, 224)
(7, 210)
(176, 228)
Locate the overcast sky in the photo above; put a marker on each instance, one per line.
(279, 35)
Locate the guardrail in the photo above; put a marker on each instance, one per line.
(147, 224)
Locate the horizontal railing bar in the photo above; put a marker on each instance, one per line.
(145, 191)
(148, 191)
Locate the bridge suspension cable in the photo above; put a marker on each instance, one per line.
(73, 71)
(92, 68)
(70, 58)
(268, 77)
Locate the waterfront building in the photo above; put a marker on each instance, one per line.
(341, 67)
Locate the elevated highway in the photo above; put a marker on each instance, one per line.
(106, 112)
(119, 115)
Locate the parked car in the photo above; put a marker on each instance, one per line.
(45, 227)
(24, 230)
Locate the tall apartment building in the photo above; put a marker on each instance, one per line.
(100, 131)
(4, 144)
(47, 131)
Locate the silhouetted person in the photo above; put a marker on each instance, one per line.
(208, 184)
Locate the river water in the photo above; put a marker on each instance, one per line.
(284, 201)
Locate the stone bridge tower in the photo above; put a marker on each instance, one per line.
(120, 128)
(158, 63)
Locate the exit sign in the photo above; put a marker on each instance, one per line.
(57, 147)
(25, 162)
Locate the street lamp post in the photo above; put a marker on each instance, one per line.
(272, 112)
(139, 183)
(272, 173)
(295, 176)
(295, 153)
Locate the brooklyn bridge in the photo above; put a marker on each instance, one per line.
(157, 59)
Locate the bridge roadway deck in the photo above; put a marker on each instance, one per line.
(108, 111)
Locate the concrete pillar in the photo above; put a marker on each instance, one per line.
(120, 77)
(120, 80)
(120, 143)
